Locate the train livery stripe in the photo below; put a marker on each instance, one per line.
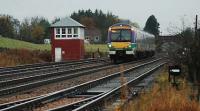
(121, 27)
(120, 44)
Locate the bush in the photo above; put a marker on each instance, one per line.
(13, 57)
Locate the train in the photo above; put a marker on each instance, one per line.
(126, 42)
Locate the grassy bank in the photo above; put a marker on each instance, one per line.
(16, 52)
(164, 97)
(17, 44)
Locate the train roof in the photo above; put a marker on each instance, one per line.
(121, 24)
(131, 27)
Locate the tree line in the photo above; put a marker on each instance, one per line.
(36, 29)
(96, 20)
(33, 29)
(191, 56)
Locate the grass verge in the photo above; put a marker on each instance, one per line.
(17, 44)
(164, 97)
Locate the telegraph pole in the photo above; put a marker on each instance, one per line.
(196, 27)
(197, 77)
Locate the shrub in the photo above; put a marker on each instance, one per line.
(13, 57)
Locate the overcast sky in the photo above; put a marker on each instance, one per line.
(168, 12)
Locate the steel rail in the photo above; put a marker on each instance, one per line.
(47, 69)
(45, 75)
(5, 105)
(74, 105)
(14, 89)
(96, 104)
(30, 85)
(20, 101)
(46, 65)
(70, 91)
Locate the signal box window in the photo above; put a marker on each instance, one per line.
(63, 32)
(69, 30)
(75, 32)
(69, 35)
(57, 32)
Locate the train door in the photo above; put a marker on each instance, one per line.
(58, 54)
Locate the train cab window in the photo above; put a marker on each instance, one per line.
(126, 35)
(120, 35)
(115, 35)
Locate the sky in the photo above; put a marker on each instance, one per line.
(171, 14)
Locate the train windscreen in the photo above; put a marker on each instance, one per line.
(120, 35)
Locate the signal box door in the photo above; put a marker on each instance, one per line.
(58, 54)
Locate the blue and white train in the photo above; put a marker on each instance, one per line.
(127, 42)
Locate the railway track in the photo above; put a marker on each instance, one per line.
(18, 67)
(10, 71)
(31, 81)
(111, 98)
(46, 74)
(81, 90)
(57, 83)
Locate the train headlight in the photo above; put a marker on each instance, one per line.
(109, 45)
(129, 46)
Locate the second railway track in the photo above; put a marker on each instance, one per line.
(9, 72)
(28, 82)
(56, 83)
(73, 90)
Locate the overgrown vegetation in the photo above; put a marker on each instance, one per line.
(186, 52)
(164, 97)
(13, 57)
(189, 54)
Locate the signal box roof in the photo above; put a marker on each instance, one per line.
(67, 22)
